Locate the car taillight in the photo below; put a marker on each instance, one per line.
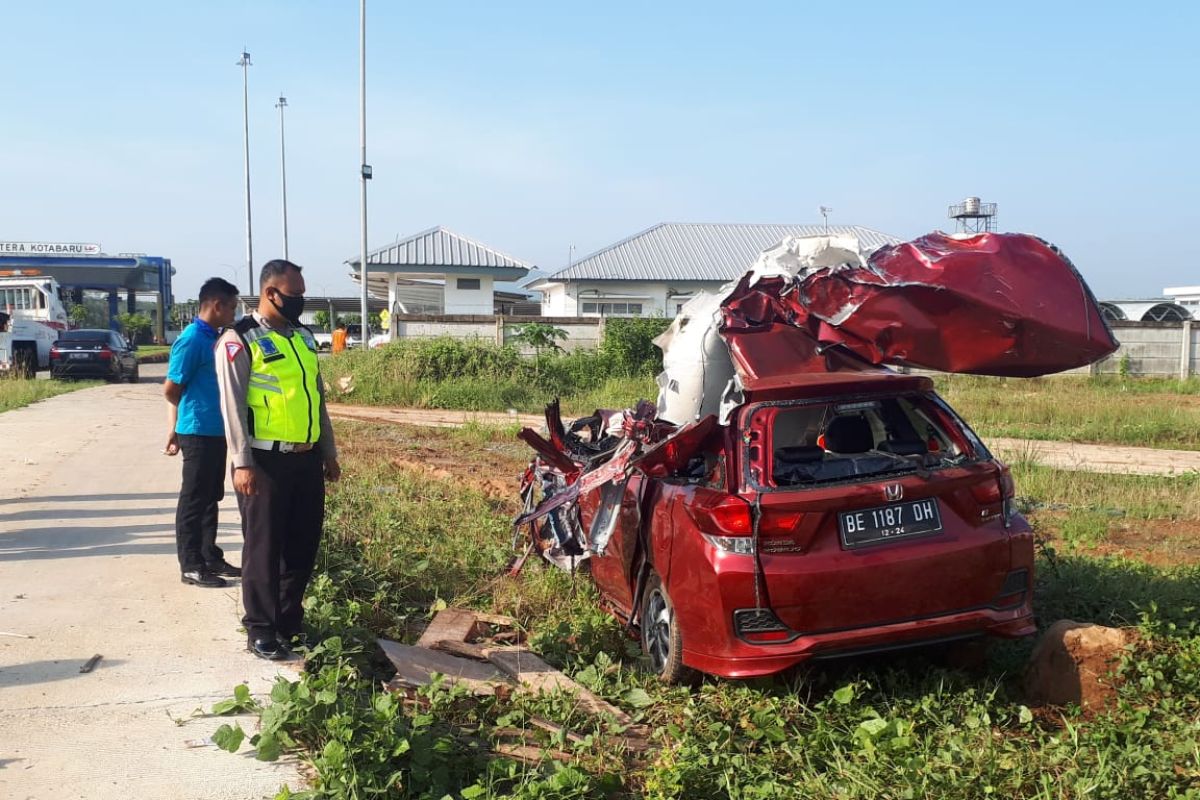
(724, 514)
(105, 354)
(727, 523)
(1000, 491)
(55, 354)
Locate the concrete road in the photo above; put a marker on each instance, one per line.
(88, 566)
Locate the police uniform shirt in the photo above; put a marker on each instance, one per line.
(233, 378)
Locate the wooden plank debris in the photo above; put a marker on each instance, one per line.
(451, 624)
(452, 646)
(538, 676)
(415, 667)
(528, 754)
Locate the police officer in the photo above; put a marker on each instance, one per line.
(282, 451)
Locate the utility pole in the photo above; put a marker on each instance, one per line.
(365, 171)
(281, 105)
(244, 63)
(825, 212)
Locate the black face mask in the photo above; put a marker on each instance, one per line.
(291, 308)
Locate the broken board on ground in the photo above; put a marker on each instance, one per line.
(488, 666)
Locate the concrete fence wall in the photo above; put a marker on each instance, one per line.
(1152, 349)
(582, 332)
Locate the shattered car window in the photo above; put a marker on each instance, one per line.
(818, 443)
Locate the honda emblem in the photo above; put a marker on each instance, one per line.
(893, 492)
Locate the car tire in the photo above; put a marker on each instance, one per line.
(661, 640)
(135, 376)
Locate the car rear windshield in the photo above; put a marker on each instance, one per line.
(825, 442)
(84, 336)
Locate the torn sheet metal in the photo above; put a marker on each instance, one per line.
(1000, 304)
(635, 439)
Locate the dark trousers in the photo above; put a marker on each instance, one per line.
(203, 488)
(281, 526)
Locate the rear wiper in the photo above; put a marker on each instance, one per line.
(907, 461)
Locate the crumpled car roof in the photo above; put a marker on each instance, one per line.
(1003, 304)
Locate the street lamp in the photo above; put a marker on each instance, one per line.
(244, 63)
(365, 168)
(281, 105)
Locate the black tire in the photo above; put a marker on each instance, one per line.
(661, 640)
(135, 376)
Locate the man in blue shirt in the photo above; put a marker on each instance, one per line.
(198, 431)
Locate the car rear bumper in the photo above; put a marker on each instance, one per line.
(744, 660)
(96, 370)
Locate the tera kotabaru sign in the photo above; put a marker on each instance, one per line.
(48, 249)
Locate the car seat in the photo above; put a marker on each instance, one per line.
(849, 434)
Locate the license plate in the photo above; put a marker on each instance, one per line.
(80, 356)
(887, 523)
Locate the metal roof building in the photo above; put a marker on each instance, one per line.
(463, 272)
(656, 271)
(1161, 310)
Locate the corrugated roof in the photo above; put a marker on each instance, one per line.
(439, 247)
(687, 251)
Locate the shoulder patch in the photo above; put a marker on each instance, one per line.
(232, 349)
(267, 345)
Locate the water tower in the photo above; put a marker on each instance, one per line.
(972, 216)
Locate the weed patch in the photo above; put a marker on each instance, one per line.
(400, 543)
(18, 392)
(1140, 412)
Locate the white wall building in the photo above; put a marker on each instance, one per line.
(1186, 296)
(653, 273)
(439, 264)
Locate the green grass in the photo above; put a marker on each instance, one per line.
(18, 392)
(1146, 412)
(401, 544)
(1135, 496)
(474, 375)
(477, 375)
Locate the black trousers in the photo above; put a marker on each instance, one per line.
(203, 488)
(281, 526)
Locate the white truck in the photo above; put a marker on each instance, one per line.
(31, 318)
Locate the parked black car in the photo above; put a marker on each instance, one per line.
(94, 354)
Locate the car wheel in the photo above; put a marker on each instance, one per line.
(135, 376)
(661, 640)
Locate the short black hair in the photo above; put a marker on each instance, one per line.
(217, 289)
(276, 266)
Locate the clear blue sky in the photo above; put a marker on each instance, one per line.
(534, 126)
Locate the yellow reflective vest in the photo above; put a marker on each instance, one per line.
(282, 396)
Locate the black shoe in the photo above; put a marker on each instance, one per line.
(202, 577)
(225, 569)
(271, 649)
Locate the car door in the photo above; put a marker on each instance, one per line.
(121, 352)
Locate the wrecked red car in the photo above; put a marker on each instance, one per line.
(791, 496)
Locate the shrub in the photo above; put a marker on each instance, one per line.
(629, 344)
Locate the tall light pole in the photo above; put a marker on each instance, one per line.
(244, 63)
(281, 105)
(365, 171)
